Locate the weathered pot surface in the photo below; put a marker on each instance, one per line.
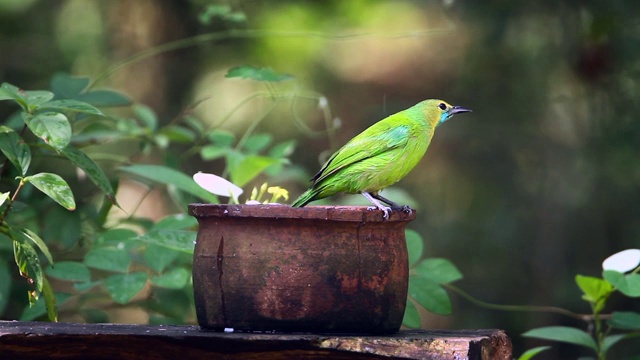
(313, 269)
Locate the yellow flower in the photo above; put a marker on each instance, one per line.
(277, 192)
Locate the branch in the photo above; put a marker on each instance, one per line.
(545, 309)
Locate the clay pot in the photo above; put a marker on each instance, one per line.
(312, 269)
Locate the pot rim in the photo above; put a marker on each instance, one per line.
(329, 213)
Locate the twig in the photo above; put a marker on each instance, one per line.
(546, 309)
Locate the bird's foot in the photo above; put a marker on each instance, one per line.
(403, 208)
(386, 211)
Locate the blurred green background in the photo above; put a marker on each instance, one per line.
(540, 183)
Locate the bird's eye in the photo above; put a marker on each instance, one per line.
(442, 106)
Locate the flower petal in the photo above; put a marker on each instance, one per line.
(217, 185)
(622, 261)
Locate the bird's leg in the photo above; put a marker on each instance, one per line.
(385, 209)
(394, 205)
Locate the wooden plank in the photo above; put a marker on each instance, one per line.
(40, 340)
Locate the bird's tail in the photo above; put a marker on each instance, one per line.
(306, 197)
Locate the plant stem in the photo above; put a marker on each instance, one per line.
(13, 198)
(257, 33)
(546, 309)
(599, 334)
(251, 128)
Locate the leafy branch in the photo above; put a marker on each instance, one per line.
(49, 120)
(430, 277)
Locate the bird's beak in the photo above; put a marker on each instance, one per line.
(457, 110)
(454, 110)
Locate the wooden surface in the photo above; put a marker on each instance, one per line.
(40, 340)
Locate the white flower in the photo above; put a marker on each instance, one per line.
(623, 261)
(217, 185)
(322, 102)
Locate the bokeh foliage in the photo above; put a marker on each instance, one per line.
(538, 184)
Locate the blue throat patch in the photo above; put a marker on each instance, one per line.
(444, 117)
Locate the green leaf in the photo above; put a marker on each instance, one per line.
(176, 278)
(55, 187)
(593, 288)
(248, 168)
(14, 148)
(411, 317)
(116, 237)
(105, 98)
(49, 301)
(84, 286)
(440, 271)
(564, 334)
(6, 242)
(110, 259)
(213, 11)
(93, 171)
(35, 98)
(430, 295)
(258, 142)
(5, 95)
(5, 284)
(3, 197)
(258, 74)
(236, 17)
(627, 284)
(72, 106)
(178, 134)
(181, 240)
(161, 140)
(283, 149)
(66, 86)
(414, 246)
(627, 320)
(611, 340)
(63, 228)
(194, 124)
(26, 236)
(173, 303)
(52, 127)
(123, 287)
(168, 176)
(38, 309)
(28, 262)
(10, 92)
(176, 222)
(146, 115)
(221, 138)
(212, 152)
(220, 12)
(527, 355)
(69, 271)
(39, 243)
(159, 257)
(596, 290)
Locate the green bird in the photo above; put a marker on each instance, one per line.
(381, 155)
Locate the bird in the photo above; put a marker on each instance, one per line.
(380, 156)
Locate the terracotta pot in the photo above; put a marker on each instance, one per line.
(312, 269)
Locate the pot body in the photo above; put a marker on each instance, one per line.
(312, 269)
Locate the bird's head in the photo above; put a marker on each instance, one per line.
(439, 111)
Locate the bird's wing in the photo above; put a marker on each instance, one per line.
(378, 139)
